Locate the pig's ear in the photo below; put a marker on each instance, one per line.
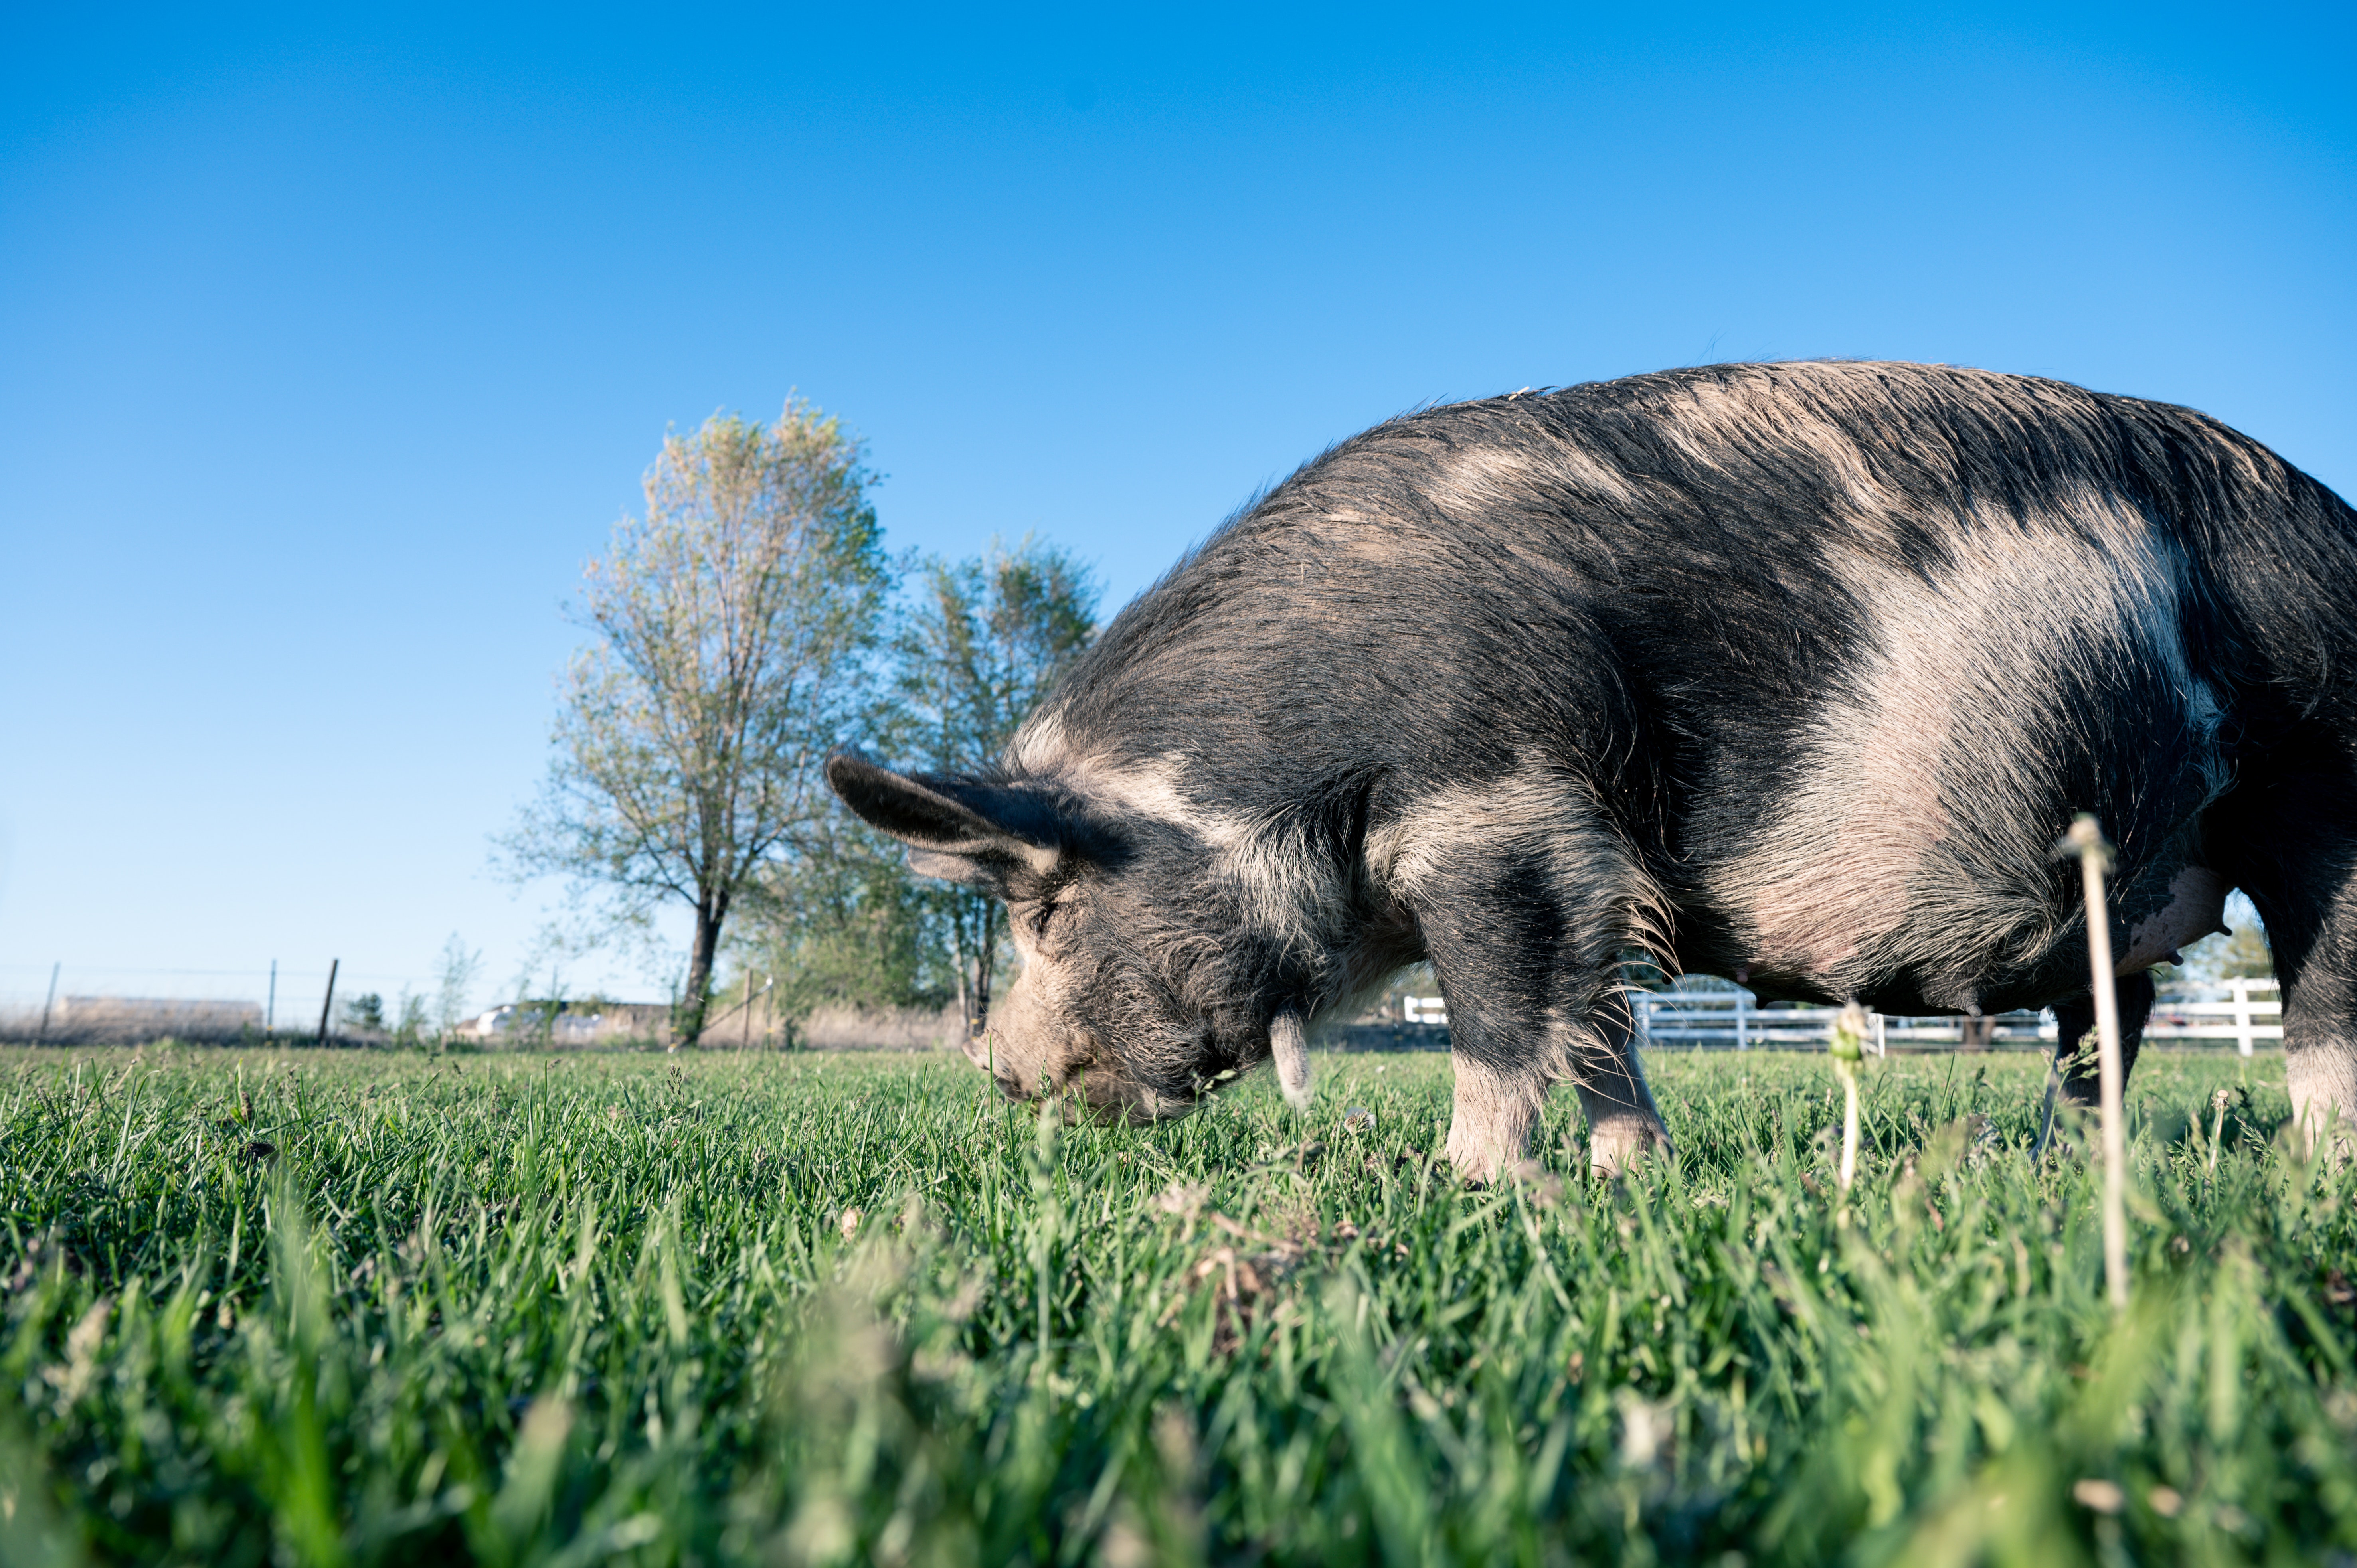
(1288, 1043)
(955, 829)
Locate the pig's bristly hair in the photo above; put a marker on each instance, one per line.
(1787, 670)
(1701, 595)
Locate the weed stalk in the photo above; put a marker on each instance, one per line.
(2085, 839)
(1847, 1047)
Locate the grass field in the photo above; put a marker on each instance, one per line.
(350, 1308)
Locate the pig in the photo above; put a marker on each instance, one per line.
(1792, 672)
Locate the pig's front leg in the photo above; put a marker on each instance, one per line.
(1497, 1105)
(1500, 1091)
(1527, 907)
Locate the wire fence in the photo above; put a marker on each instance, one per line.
(102, 1003)
(65, 1003)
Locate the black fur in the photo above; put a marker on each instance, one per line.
(1787, 671)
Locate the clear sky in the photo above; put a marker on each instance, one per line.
(331, 344)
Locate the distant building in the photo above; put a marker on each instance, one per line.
(569, 1023)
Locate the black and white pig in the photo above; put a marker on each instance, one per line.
(1790, 672)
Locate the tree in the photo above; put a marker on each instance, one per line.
(460, 967)
(982, 643)
(2245, 955)
(409, 1020)
(842, 923)
(733, 624)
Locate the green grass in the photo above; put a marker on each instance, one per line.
(515, 1309)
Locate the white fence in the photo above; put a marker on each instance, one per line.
(1734, 1020)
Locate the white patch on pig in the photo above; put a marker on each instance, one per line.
(1838, 868)
(1039, 746)
(1476, 481)
(1154, 790)
(1621, 1132)
(1538, 812)
(1032, 1034)
(1494, 1111)
(2321, 1074)
(1711, 417)
(1281, 885)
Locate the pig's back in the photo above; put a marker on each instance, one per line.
(1843, 644)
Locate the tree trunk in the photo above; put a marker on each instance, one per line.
(961, 953)
(710, 911)
(982, 949)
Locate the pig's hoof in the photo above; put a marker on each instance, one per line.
(1477, 1159)
(1614, 1146)
(1479, 1173)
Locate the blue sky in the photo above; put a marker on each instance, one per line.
(331, 344)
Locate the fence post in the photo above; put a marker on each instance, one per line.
(1881, 1039)
(1741, 1044)
(48, 1007)
(329, 1001)
(2242, 1015)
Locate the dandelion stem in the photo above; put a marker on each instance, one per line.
(1849, 1049)
(2085, 839)
(1849, 1126)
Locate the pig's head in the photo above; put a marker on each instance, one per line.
(1143, 983)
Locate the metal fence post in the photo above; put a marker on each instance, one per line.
(51, 1005)
(1741, 1044)
(329, 1001)
(2242, 1015)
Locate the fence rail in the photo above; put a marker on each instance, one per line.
(2250, 1013)
(1734, 1020)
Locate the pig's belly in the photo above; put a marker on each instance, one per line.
(1953, 955)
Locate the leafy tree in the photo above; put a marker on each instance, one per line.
(365, 1011)
(2244, 955)
(982, 643)
(409, 1019)
(457, 970)
(733, 628)
(843, 924)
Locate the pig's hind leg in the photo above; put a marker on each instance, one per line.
(2286, 830)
